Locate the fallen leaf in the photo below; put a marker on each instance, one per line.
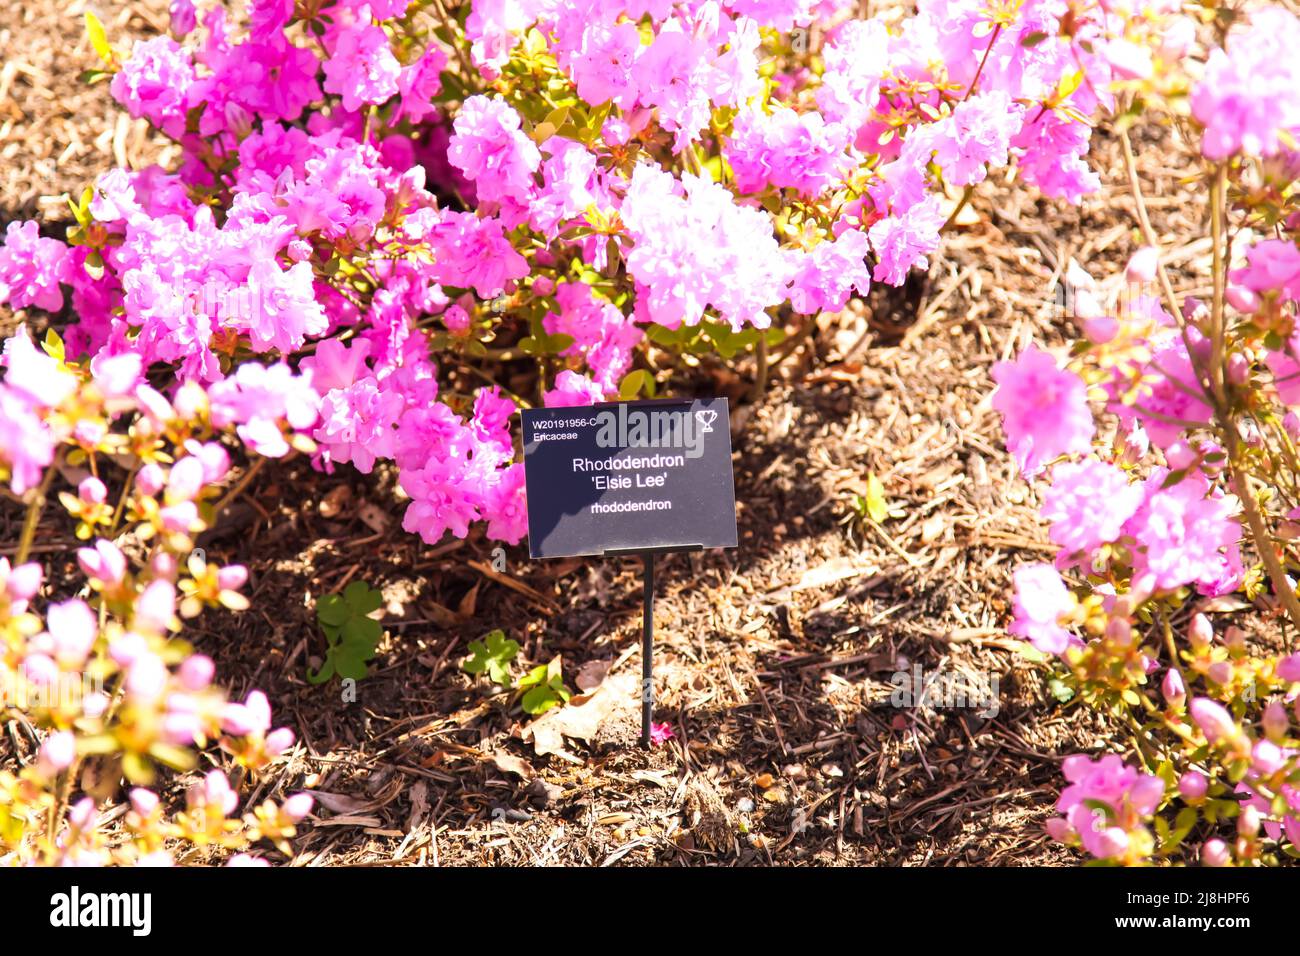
(509, 763)
(340, 802)
(442, 616)
(592, 674)
(419, 805)
(657, 777)
(349, 821)
(581, 717)
(764, 780)
(469, 602)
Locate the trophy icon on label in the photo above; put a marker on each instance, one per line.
(706, 418)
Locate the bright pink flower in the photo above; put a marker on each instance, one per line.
(493, 152)
(902, 243)
(1044, 409)
(1249, 93)
(1041, 598)
(1088, 504)
(155, 82)
(361, 67)
(571, 389)
(32, 267)
(977, 136)
(418, 84)
(1182, 531)
(825, 277)
(1106, 803)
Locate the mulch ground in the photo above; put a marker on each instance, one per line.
(774, 662)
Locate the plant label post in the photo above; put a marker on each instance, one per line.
(630, 478)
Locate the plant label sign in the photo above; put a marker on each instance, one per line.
(629, 476)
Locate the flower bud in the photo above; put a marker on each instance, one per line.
(143, 801)
(279, 740)
(1200, 632)
(1266, 757)
(1220, 672)
(1291, 422)
(91, 491)
(1248, 822)
(1193, 785)
(298, 806)
(57, 753)
(1275, 721)
(1213, 719)
(1238, 369)
(1215, 853)
(196, 672)
(1174, 689)
(182, 17)
(1242, 299)
(150, 479)
(1288, 668)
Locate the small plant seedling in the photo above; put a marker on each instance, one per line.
(353, 635)
(492, 656)
(543, 688)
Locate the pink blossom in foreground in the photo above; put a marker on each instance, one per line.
(1249, 94)
(1106, 806)
(1041, 599)
(1088, 503)
(32, 268)
(1044, 409)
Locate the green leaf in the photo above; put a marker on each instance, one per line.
(331, 609)
(632, 384)
(545, 687)
(98, 38)
(492, 656)
(352, 634)
(326, 670)
(350, 662)
(876, 505)
(362, 598)
(361, 633)
(1062, 691)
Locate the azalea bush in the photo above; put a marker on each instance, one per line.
(118, 694)
(1165, 447)
(394, 223)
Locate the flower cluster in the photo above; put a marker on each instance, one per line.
(364, 205)
(1166, 448)
(107, 678)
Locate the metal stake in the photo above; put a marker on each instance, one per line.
(647, 646)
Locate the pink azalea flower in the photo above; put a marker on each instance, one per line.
(1044, 409)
